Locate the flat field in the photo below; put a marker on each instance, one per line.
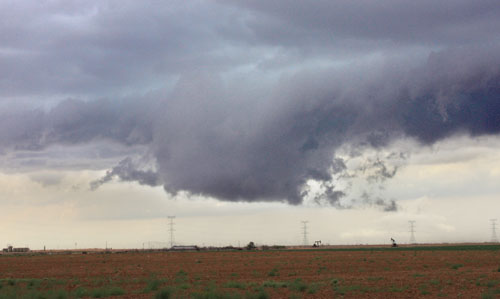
(432, 271)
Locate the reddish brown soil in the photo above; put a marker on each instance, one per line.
(323, 274)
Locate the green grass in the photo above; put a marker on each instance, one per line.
(298, 285)
(235, 285)
(153, 284)
(435, 282)
(313, 288)
(395, 289)
(215, 294)
(81, 292)
(274, 284)
(106, 292)
(261, 294)
(165, 293)
(424, 290)
(274, 272)
(181, 276)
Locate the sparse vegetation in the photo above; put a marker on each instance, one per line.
(233, 274)
(165, 293)
(235, 285)
(274, 272)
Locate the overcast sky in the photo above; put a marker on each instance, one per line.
(243, 119)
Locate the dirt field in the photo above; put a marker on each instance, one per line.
(367, 273)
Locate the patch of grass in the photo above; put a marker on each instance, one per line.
(33, 283)
(235, 285)
(321, 269)
(152, 284)
(81, 292)
(164, 293)
(214, 294)
(423, 289)
(298, 285)
(375, 278)
(435, 282)
(313, 288)
(456, 266)
(395, 289)
(274, 284)
(342, 290)
(56, 294)
(181, 276)
(261, 294)
(184, 286)
(334, 282)
(106, 292)
(274, 272)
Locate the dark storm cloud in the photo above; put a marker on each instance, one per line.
(369, 23)
(262, 97)
(115, 47)
(76, 122)
(206, 142)
(96, 47)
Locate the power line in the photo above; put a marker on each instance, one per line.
(304, 232)
(412, 232)
(171, 229)
(494, 238)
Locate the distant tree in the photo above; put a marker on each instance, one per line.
(251, 246)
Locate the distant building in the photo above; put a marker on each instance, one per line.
(184, 247)
(21, 249)
(18, 249)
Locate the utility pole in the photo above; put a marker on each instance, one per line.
(494, 238)
(304, 232)
(412, 232)
(171, 229)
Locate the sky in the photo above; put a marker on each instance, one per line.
(245, 118)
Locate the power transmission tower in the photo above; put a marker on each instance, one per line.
(494, 238)
(412, 232)
(171, 229)
(304, 232)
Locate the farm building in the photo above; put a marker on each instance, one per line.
(184, 247)
(18, 249)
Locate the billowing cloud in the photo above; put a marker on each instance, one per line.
(251, 101)
(127, 170)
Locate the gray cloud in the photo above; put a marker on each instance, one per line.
(251, 101)
(366, 23)
(127, 170)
